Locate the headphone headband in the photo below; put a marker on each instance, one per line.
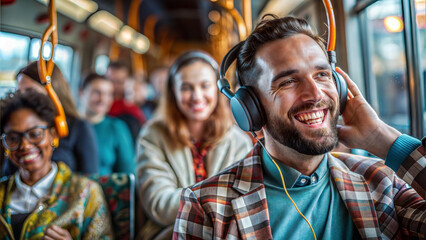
(195, 54)
(229, 59)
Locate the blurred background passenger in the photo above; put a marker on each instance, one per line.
(79, 149)
(144, 96)
(158, 79)
(116, 148)
(44, 199)
(192, 138)
(123, 105)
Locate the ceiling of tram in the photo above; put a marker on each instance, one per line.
(185, 20)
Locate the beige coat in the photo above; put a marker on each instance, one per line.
(163, 173)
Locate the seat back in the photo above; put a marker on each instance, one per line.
(119, 190)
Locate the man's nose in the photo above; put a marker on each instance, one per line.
(311, 91)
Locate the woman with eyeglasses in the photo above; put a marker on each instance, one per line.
(44, 199)
(79, 150)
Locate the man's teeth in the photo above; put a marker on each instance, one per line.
(316, 121)
(311, 118)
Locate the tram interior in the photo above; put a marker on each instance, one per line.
(381, 44)
(370, 36)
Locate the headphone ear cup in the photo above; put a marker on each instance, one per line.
(342, 90)
(247, 110)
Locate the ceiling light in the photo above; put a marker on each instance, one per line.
(126, 35)
(77, 10)
(129, 38)
(214, 29)
(105, 23)
(214, 16)
(141, 44)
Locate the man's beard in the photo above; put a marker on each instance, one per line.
(288, 135)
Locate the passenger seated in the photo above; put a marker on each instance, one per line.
(79, 149)
(192, 138)
(142, 93)
(116, 148)
(44, 199)
(123, 106)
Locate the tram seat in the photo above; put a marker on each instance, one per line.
(119, 190)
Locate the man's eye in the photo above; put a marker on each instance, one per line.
(287, 82)
(323, 75)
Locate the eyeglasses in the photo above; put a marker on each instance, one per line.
(13, 140)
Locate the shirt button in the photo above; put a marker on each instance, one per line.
(303, 180)
(314, 179)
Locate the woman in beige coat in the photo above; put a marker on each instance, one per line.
(192, 138)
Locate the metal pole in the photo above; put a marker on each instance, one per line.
(246, 8)
(415, 79)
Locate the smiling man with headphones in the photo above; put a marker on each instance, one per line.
(290, 186)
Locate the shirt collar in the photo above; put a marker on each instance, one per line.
(292, 177)
(41, 188)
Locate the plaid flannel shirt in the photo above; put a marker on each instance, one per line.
(232, 204)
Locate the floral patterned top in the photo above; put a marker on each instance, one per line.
(75, 203)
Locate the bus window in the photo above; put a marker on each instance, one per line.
(101, 64)
(13, 56)
(63, 56)
(386, 52)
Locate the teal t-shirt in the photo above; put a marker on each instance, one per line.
(116, 150)
(315, 196)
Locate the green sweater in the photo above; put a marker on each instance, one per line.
(116, 150)
(315, 196)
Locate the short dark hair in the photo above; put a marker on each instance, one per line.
(269, 30)
(90, 77)
(30, 99)
(119, 65)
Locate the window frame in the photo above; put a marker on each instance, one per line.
(28, 55)
(415, 81)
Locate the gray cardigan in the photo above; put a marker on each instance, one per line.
(162, 172)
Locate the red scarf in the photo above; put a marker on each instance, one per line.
(198, 156)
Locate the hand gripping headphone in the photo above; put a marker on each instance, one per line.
(246, 107)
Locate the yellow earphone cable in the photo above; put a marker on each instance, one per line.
(285, 189)
(288, 195)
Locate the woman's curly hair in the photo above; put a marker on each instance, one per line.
(37, 102)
